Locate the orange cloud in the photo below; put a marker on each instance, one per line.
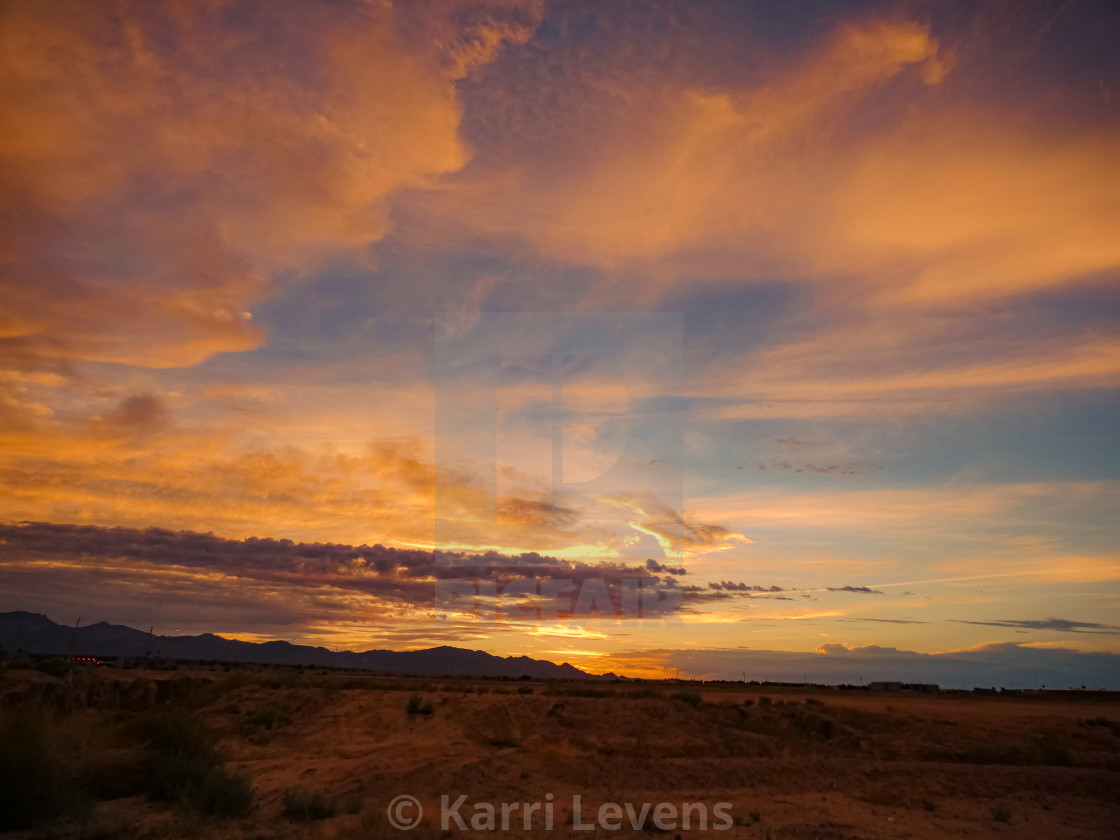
(975, 206)
(1043, 567)
(921, 510)
(161, 162)
(860, 368)
(695, 167)
(867, 164)
(303, 476)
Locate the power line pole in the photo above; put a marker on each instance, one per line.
(74, 633)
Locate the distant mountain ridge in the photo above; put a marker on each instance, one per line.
(36, 633)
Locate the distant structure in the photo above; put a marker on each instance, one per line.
(924, 688)
(885, 686)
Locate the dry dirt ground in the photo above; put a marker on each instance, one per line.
(266, 753)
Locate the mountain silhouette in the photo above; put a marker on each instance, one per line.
(36, 633)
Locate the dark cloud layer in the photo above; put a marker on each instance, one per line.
(862, 590)
(398, 578)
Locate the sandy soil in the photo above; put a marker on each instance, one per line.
(326, 754)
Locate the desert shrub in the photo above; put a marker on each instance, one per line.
(813, 724)
(1001, 813)
(178, 777)
(112, 772)
(764, 701)
(417, 705)
(34, 786)
(266, 719)
(222, 793)
(1053, 751)
(56, 667)
(502, 742)
(825, 728)
(993, 755)
(105, 829)
(761, 726)
(525, 689)
(374, 826)
(285, 680)
(597, 693)
(190, 770)
(349, 803)
(688, 695)
(307, 806)
(175, 732)
(1112, 725)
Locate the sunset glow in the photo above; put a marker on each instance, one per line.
(807, 314)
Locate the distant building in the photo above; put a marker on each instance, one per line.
(886, 686)
(925, 688)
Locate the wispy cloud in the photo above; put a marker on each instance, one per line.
(1061, 625)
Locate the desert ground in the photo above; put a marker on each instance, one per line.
(260, 752)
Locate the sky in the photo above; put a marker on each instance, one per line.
(733, 339)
